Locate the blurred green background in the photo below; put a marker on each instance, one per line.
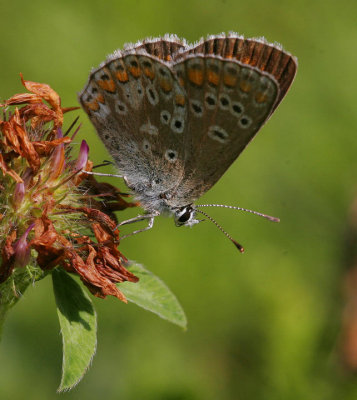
(262, 325)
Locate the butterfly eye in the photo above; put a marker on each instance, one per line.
(183, 215)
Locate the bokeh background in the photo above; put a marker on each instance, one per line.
(263, 325)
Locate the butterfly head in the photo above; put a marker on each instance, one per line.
(185, 216)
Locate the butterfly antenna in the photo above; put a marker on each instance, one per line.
(273, 219)
(238, 246)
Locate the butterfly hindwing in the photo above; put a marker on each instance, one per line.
(139, 110)
(162, 48)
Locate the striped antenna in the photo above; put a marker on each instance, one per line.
(273, 219)
(238, 246)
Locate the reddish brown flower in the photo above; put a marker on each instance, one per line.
(51, 213)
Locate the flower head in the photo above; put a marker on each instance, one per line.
(50, 212)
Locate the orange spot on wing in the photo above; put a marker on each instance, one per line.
(180, 100)
(149, 73)
(135, 71)
(261, 97)
(181, 82)
(195, 76)
(100, 98)
(94, 106)
(245, 86)
(229, 80)
(122, 76)
(212, 77)
(107, 85)
(165, 85)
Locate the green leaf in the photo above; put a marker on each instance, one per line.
(78, 323)
(153, 295)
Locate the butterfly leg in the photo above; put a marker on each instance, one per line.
(150, 217)
(102, 174)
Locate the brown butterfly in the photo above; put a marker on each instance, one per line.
(174, 116)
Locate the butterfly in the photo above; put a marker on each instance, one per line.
(174, 116)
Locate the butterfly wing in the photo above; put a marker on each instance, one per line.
(162, 48)
(267, 57)
(137, 106)
(174, 117)
(232, 90)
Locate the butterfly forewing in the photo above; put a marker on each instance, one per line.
(254, 52)
(228, 103)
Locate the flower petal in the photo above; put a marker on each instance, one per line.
(9, 171)
(44, 91)
(22, 249)
(19, 193)
(82, 157)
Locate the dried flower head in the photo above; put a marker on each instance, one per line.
(52, 213)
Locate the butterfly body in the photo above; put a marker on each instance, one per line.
(175, 116)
